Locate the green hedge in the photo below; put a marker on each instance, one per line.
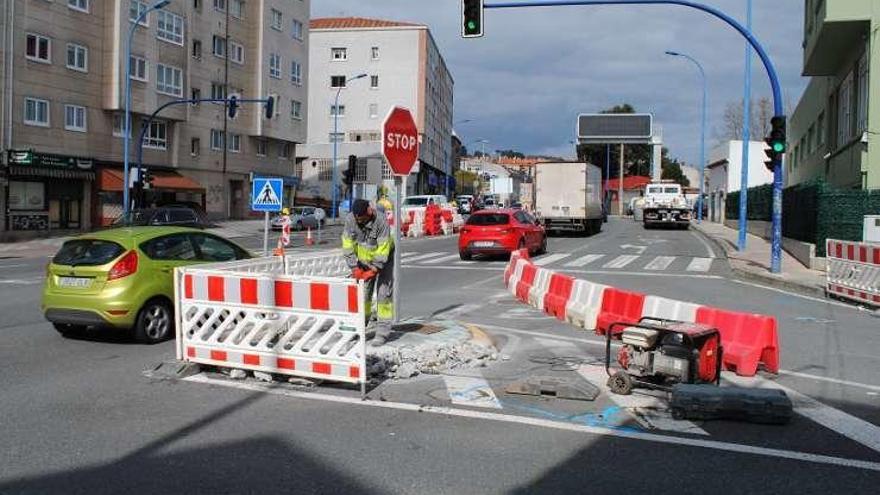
(812, 212)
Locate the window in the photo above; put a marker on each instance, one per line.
(337, 81)
(360, 170)
(174, 247)
(236, 50)
(80, 252)
(220, 5)
(36, 112)
(296, 73)
(138, 68)
(277, 20)
(275, 65)
(235, 143)
(862, 88)
(195, 94)
(169, 80)
(374, 53)
(156, 136)
(77, 57)
(338, 54)
(219, 46)
(75, 118)
(80, 5)
(337, 137)
(284, 150)
(811, 140)
(236, 8)
(213, 248)
(844, 111)
(297, 30)
(262, 147)
(195, 147)
(374, 82)
(119, 125)
(820, 129)
(386, 171)
(197, 49)
(170, 27)
(296, 110)
(216, 140)
(135, 9)
(374, 111)
(39, 48)
(337, 110)
(325, 171)
(218, 91)
(197, 5)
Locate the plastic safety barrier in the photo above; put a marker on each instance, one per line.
(558, 295)
(525, 281)
(330, 264)
(748, 339)
(539, 288)
(516, 275)
(619, 306)
(583, 309)
(854, 271)
(515, 257)
(669, 309)
(295, 325)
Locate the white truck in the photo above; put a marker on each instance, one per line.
(568, 197)
(665, 204)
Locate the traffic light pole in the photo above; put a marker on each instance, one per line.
(776, 255)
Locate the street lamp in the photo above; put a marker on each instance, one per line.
(126, 207)
(702, 132)
(335, 212)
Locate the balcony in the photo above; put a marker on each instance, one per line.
(833, 28)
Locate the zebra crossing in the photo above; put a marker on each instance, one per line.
(571, 261)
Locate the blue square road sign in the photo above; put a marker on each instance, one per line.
(267, 194)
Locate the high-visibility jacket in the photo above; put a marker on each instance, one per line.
(369, 245)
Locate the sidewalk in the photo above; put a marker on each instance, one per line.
(754, 263)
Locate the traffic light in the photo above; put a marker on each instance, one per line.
(270, 107)
(472, 18)
(349, 173)
(147, 179)
(232, 106)
(775, 142)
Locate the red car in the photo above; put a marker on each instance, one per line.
(501, 232)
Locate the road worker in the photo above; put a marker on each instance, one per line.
(368, 245)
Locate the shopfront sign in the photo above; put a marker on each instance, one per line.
(30, 158)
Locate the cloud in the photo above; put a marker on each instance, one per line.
(524, 83)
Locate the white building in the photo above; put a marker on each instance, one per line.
(403, 67)
(724, 173)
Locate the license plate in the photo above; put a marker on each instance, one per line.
(484, 244)
(74, 282)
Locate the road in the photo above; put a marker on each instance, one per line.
(80, 416)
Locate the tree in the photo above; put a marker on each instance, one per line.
(732, 120)
(510, 154)
(464, 182)
(463, 151)
(671, 170)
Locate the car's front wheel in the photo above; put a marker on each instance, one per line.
(465, 256)
(69, 331)
(154, 322)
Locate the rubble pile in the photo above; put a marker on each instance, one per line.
(413, 360)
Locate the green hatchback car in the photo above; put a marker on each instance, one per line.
(124, 278)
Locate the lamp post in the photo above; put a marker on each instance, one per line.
(702, 132)
(747, 137)
(126, 200)
(335, 186)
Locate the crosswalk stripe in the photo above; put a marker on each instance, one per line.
(621, 261)
(551, 259)
(585, 260)
(425, 257)
(700, 265)
(444, 259)
(660, 263)
(471, 391)
(460, 263)
(408, 255)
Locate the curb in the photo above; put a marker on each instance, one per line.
(759, 277)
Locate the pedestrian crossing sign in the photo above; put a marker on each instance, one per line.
(267, 195)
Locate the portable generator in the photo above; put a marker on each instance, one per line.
(658, 354)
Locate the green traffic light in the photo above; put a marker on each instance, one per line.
(472, 25)
(779, 147)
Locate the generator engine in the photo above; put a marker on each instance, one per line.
(663, 354)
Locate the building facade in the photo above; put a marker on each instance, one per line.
(64, 65)
(401, 65)
(724, 174)
(830, 133)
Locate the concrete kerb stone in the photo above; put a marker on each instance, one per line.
(750, 274)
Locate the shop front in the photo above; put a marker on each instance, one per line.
(168, 188)
(46, 193)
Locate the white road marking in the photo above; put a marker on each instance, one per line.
(660, 263)
(543, 423)
(705, 244)
(621, 261)
(444, 259)
(425, 257)
(21, 282)
(859, 430)
(700, 265)
(794, 294)
(471, 391)
(11, 266)
(830, 380)
(408, 255)
(461, 263)
(585, 260)
(546, 260)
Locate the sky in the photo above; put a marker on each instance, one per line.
(536, 69)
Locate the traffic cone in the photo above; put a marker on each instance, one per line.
(309, 240)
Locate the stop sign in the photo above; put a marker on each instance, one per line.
(400, 140)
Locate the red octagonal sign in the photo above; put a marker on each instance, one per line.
(400, 140)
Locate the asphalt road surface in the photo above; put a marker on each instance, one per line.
(81, 416)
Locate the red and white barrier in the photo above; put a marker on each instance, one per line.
(854, 271)
(297, 325)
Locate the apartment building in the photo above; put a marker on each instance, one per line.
(830, 133)
(401, 65)
(63, 65)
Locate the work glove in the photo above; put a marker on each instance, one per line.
(368, 274)
(357, 273)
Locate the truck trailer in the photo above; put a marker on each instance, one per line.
(568, 197)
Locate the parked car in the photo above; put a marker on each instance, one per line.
(495, 232)
(158, 217)
(425, 200)
(123, 278)
(465, 204)
(301, 218)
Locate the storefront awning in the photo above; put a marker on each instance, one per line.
(54, 173)
(111, 180)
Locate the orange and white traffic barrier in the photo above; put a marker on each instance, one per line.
(309, 240)
(853, 271)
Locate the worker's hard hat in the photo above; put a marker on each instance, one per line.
(285, 211)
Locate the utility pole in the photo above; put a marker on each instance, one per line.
(620, 177)
(226, 113)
